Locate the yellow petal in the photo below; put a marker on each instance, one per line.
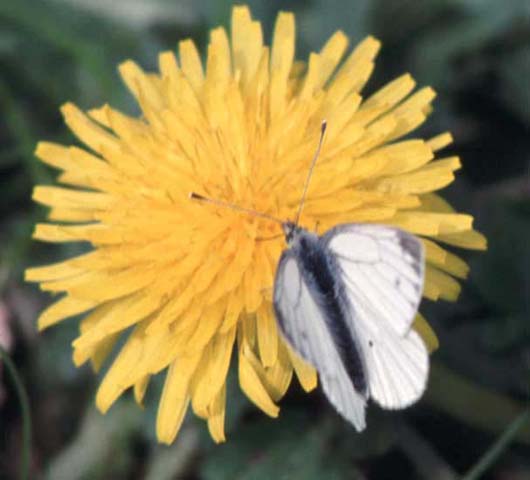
(211, 372)
(470, 239)
(233, 310)
(355, 71)
(466, 238)
(402, 157)
(216, 416)
(172, 310)
(247, 330)
(140, 85)
(448, 287)
(434, 202)
(211, 318)
(444, 260)
(307, 375)
(375, 134)
(431, 177)
(167, 63)
(251, 384)
(69, 158)
(426, 332)
(218, 67)
(330, 56)
(431, 291)
(102, 286)
(87, 131)
(128, 129)
(426, 223)
(440, 141)
(175, 398)
(127, 311)
(191, 63)
(65, 269)
(95, 233)
(101, 351)
(140, 388)
(267, 334)
(159, 350)
(97, 352)
(63, 308)
(282, 55)
(412, 112)
(418, 101)
(100, 115)
(247, 42)
(253, 297)
(120, 375)
(71, 215)
(385, 98)
(341, 131)
(279, 375)
(312, 77)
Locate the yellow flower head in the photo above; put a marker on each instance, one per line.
(191, 278)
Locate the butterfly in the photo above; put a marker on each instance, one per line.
(345, 302)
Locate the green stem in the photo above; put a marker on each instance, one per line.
(24, 406)
(489, 458)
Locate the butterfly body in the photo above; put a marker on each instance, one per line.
(345, 302)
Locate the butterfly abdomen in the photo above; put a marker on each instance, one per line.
(320, 269)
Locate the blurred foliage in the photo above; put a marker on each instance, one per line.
(476, 54)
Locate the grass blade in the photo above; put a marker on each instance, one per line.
(496, 450)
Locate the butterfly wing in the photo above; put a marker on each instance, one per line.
(382, 269)
(302, 323)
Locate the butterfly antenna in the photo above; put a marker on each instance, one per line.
(237, 208)
(310, 173)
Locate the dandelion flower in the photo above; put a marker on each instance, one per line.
(187, 282)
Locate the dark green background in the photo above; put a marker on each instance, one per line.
(476, 54)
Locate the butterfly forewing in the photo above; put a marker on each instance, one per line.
(382, 269)
(302, 321)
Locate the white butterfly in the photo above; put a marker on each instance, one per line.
(345, 302)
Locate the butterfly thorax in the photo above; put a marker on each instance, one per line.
(321, 272)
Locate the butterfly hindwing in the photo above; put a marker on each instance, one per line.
(382, 269)
(302, 321)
